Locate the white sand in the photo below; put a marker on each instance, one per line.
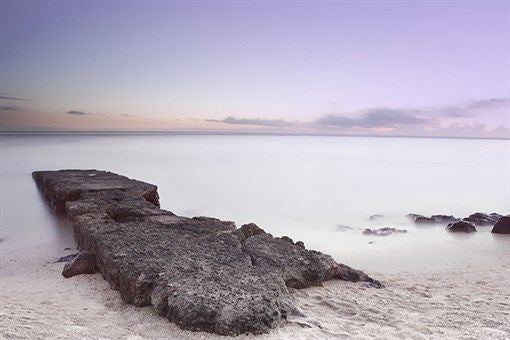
(37, 302)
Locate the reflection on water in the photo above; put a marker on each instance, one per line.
(298, 186)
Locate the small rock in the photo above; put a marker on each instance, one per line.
(66, 258)
(84, 263)
(383, 231)
(375, 217)
(424, 220)
(502, 226)
(461, 226)
(434, 219)
(67, 248)
(300, 244)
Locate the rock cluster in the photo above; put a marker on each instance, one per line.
(201, 273)
(478, 219)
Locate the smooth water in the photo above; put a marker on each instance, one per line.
(300, 186)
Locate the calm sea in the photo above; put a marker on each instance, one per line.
(300, 186)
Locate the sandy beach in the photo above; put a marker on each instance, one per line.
(463, 302)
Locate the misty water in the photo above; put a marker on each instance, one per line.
(301, 186)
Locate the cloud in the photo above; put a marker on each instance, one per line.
(486, 118)
(127, 115)
(7, 97)
(376, 118)
(77, 113)
(475, 106)
(10, 108)
(253, 121)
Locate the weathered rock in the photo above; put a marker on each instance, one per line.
(84, 263)
(461, 226)
(383, 231)
(502, 226)
(201, 273)
(481, 219)
(67, 258)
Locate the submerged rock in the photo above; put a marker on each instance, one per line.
(83, 263)
(201, 273)
(481, 219)
(461, 226)
(383, 231)
(502, 226)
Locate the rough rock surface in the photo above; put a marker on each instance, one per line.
(201, 273)
(386, 231)
(502, 226)
(83, 263)
(481, 219)
(461, 226)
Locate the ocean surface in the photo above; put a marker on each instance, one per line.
(301, 186)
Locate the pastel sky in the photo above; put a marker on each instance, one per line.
(390, 68)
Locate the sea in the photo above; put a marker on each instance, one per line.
(321, 190)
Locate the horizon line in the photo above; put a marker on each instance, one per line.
(224, 133)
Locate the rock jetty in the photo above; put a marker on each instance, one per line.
(201, 273)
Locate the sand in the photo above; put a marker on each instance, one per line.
(462, 302)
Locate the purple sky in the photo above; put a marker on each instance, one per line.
(392, 68)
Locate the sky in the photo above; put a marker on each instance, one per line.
(422, 68)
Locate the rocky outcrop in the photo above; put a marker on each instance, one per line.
(481, 219)
(201, 273)
(461, 226)
(478, 219)
(502, 226)
(83, 263)
(383, 231)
